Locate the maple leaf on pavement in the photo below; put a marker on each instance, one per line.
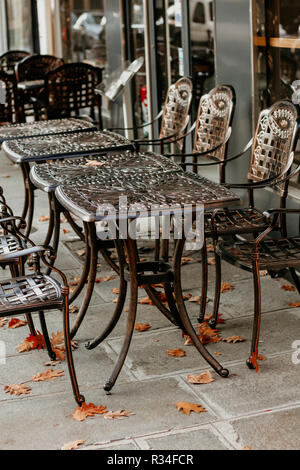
(120, 414)
(204, 378)
(16, 323)
(83, 411)
(187, 407)
(48, 374)
(17, 389)
(142, 326)
(73, 444)
(175, 352)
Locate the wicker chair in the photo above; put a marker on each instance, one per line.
(9, 60)
(31, 69)
(272, 155)
(8, 102)
(70, 89)
(263, 253)
(37, 292)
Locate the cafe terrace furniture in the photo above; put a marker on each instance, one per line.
(52, 147)
(8, 99)
(30, 75)
(37, 292)
(263, 253)
(272, 152)
(172, 189)
(9, 59)
(49, 176)
(68, 90)
(175, 116)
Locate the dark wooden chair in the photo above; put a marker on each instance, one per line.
(9, 60)
(37, 292)
(29, 72)
(8, 99)
(272, 155)
(263, 253)
(70, 89)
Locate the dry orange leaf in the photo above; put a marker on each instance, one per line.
(17, 389)
(104, 279)
(83, 411)
(261, 357)
(115, 290)
(75, 281)
(65, 230)
(73, 309)
(288, 287)
(176, 352)
(94, 163)
(294, 304)
(3, 322)
(226, 287)
(43, 218)
(73, 444)
(210, 248)
(207, 318)
(204, 378)
(233, 339)
(120, 414)
(80, 252)
(32, 342)
(142, 326)
(48, 374)
(211, 261)
(195, 298)
(16, 323)
(187, 407)
(5, 176)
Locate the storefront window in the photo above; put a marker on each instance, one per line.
(19, 24)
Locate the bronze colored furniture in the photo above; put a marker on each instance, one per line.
(158, 185)
(175, 116)
(9, 60)
(263, 253)
(37, 292)
(74, 143)
(8, 99)
(70, 89)
(30, 75)
(272, 155)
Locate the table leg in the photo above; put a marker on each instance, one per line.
(188, 327)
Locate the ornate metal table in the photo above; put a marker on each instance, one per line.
(57, 146)
(39, 128)
(146, 188)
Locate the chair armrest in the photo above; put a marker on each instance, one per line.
(22, 253)
(136, 127)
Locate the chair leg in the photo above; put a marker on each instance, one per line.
(204, 266)
(252, 361)
(218, 279)
(78, 397)
(295, 278)
(51, 353)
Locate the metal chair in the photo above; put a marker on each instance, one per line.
(8, 102)
(37, 292)
(70, 89)
(272, 155)
(175, 116)
(9, 59)
(33, 69)
(263, 253)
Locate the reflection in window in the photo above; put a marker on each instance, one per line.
(199, 15)
(19, 25)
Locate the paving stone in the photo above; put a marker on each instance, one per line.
(34, 423)
(279, 430)
(202, 439)
(245, 391)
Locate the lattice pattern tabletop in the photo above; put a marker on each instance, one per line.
(146, 186)
(50, 147)
(39, 128)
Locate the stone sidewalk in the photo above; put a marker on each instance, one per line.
(248, 409)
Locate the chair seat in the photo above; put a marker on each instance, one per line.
(273, 254)
(245, 220)
(29, 293)
(10, 244)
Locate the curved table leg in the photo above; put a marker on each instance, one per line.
(92, 240)
(132, 259)
(188, 327)
(51, 220)
(86, 267)
(204, 265)
(120, 303)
